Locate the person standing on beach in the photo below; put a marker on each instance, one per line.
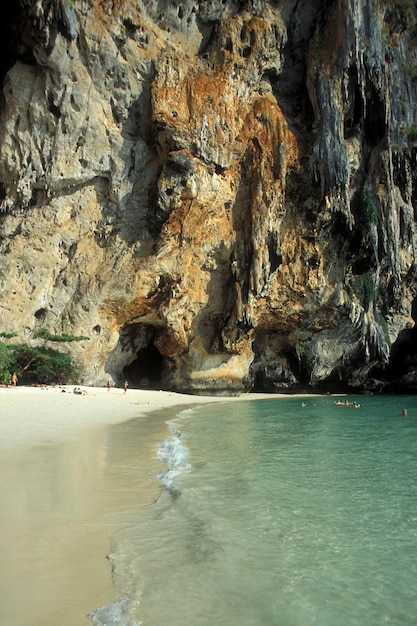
(125, 386)
(14, 379)
(108, 385)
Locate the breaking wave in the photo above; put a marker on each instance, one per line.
(175, 454)
(123, 612)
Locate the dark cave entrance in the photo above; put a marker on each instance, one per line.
(145, 372)
(400, 373)
(403, 357)
(137, 358)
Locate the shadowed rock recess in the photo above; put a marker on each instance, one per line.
(220, 194)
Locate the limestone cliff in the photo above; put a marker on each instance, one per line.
(219, 193)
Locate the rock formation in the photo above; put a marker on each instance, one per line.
(220, 194)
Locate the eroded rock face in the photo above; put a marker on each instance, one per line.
(219, 194)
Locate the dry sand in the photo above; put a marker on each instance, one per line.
(68, 472)
(33, 414)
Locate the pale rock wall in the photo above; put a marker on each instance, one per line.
(219, 194)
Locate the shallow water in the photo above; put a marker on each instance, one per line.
(275, 514)
(61, 502)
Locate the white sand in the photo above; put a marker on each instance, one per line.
(69, 478)
(30, 415)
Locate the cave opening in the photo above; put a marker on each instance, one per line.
(354, 115)
(403, 358)
(136, 357)
(145, 371)
(9, 31)
(375, 126)
(400, 373)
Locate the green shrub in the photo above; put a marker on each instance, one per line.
(410, 68)
(410, 132)
(365, 290)
(50, 366)
(6, 363)
(384, 325)
(408, 9)
(370, 208)
(43, 333)
(39, 364)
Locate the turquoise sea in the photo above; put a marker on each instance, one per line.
(271, 513)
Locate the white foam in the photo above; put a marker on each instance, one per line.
(175, 454)
(115, 614)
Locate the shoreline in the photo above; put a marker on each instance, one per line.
(29, 415)
(74, 469)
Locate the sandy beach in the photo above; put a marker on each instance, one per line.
(68, 474)
(35, 414)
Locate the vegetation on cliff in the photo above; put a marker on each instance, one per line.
(37, 364)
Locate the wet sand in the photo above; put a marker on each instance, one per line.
(73, 468)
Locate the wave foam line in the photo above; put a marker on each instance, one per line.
(121, 612)
(173, 452)
(115, 614)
